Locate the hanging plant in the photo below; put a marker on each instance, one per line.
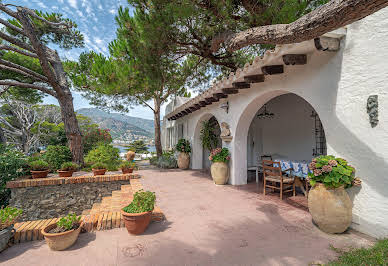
(208, 138)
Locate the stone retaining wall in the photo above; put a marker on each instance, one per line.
(54, 197)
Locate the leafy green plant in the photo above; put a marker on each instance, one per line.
(56, 155)
(331, 171)
(154, 160)
(143, 201)
(220, 155)
(71, 221)
(8, 216)
(208, 137)
(39, 165)
(69, 166)
(104, 153)
(13, 164)
(183, 145)
(99, 165)
(167, 160)
(127, 165)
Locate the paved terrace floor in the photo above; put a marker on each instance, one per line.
(206, 225)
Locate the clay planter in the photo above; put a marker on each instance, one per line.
(60, 241)
(331, 209)
(136, 223)
(127, 170)
(5, 236)
(39, 174)
(183, 160)
(99, 171)
(220, 173)
(65, 173)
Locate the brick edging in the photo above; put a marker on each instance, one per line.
(52, 181)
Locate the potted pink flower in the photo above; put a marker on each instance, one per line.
(219, 169)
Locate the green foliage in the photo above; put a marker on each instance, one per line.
(167, 160)
(39, 165)
(8, 216)
(99, 165)
(127, 165)
(12, 165)
(143, 201)
(69, 166)
(376, 255)
(220, 155)
(208, 137)
(331, 171)
(138, 146)
(104, 153)
(183, 146)
(56, 155)
(71, 221)
(154, 160)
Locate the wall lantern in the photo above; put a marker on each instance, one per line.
(225, 106)
(372, 108)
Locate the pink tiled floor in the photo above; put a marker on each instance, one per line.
(206, 225)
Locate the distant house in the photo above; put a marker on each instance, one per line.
(323, 95)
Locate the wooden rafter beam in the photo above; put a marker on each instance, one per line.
(254, 78)
(241, 85)
(295, 59)
(272, 69)
(230, 91)
(220, 95)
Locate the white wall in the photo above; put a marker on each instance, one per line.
(289, 134)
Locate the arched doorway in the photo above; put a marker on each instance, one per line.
(280, 124)
(200, 154)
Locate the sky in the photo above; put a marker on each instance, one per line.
(96, 21)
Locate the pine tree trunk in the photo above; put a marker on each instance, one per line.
(3, 139)
(158, 142)
(72, 130)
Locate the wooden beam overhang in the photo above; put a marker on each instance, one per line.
(188, 110)
(211, 99)
(327, 44)
(254, 78)
(220, 95)
(230, 91)
(204, 103)
(241, 85)
(193, 109)
(198, 106)
(272, 69)
(295, 59)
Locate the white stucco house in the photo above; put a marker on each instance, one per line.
(317, 91)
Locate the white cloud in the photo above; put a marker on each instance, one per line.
(42, 5)
(112, 11)
(72, 3)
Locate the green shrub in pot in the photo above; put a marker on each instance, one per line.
(39, 165)
(99, 165)
(56, 155)
(69, 166)
(8, 217)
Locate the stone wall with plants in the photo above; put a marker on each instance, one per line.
(56, 197)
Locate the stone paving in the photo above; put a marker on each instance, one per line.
(206, 225)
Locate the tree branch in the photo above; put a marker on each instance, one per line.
(16, 42)
(11, 26)
(20, 51)
(28, 86)
(8, 11)
(328, 17)
(23, 70)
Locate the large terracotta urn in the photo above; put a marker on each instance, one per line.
(183, 160)
(331, 209)
(220, 173)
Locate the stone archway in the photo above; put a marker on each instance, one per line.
(240, 143)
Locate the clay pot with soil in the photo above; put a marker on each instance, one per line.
(137, 215)
(39, 169)
(99, 169)
(184, 148)
(64, 233)
(127, 167)
(219, 169)
(67, 169)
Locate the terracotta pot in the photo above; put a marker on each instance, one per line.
(5, 236)
(65, 173)
(331, 209)
(183, 160)
(127, 170)
(130, 156)
(98, 171)
(220, 173)
(39, 174)
(60, 241)
(136, 223)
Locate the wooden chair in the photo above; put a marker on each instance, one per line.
(272, 172)
(259, 168)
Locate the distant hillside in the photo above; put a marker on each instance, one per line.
(122, 127)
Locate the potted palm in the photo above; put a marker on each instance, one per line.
(183, 146)
(8, 217)
(137, 215)
(127, 167)
(39, 169)
(219, 169)
(64, 233)
(67, 169)
(328, 201)
(99, 168)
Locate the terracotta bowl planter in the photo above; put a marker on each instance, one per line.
(65, 173)
(136, 223)
(183, 160)
(60, 241)
(127, 170)
(331, 209)
(99, 171)
(220, 173)
(39, 174)
(5, 236)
